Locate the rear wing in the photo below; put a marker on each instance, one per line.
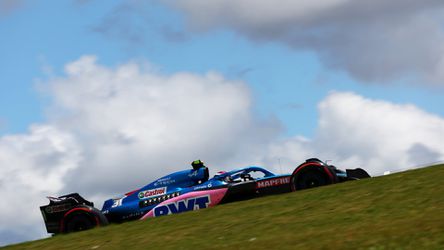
(54, 212)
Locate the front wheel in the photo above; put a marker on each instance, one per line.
(310, 177)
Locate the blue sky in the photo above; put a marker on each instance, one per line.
(40, 38)
(98, 97)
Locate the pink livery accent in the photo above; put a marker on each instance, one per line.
(187, 202)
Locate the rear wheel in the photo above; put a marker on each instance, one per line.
(80, 222)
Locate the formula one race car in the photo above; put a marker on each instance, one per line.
(188, 190)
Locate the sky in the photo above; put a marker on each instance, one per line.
(101, 97)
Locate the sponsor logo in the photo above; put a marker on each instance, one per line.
(190, 204)
(57, 208)
(209, 185)
(273, 182)
(152, 192)
(193, 174)
(164, 182)
(132, 215)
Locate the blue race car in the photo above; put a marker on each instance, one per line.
(188, 190)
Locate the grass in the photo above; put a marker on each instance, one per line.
(399, 211)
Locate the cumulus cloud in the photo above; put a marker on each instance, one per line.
(136, 124)
(32, 166)
(374, 41)
(111, 130)
(377, 135)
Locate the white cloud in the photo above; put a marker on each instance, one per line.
(137, 123)
(110, 130)
(32, 167)
(374, 41)
(376, 135)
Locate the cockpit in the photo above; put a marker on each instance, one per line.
(243, 175)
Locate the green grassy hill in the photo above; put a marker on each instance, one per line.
(399, 211)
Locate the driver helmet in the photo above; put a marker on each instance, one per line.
(197, 164)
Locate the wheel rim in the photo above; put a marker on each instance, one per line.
(309, 179)
(79, 223)
(79, 226)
